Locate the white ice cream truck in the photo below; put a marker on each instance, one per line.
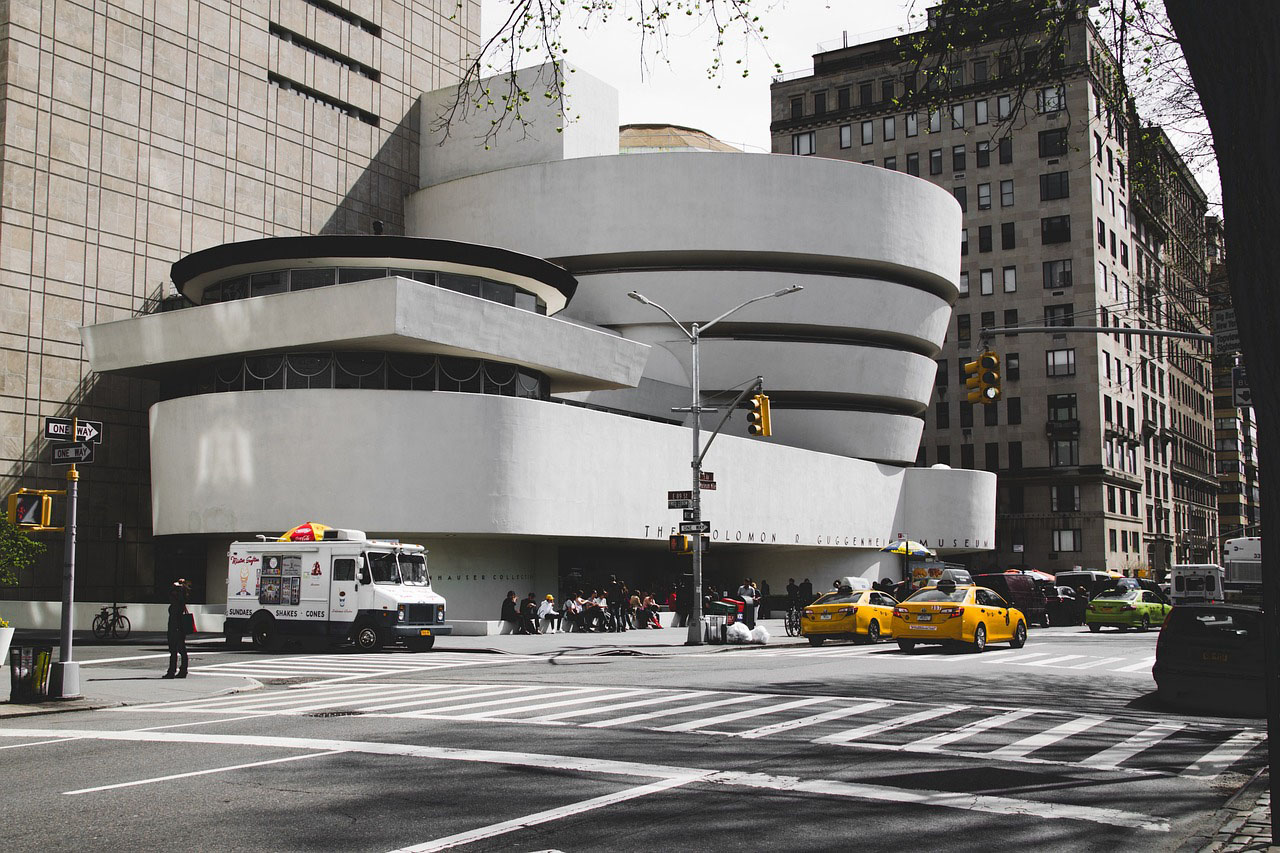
(328, 583)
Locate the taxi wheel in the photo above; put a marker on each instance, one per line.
(1094, 627)
(1019, 638)
(980, 639)
(817, 641)
(1146, 623)
(907, 645)
(873, 632)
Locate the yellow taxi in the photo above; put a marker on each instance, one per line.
(959, 614)
(864, 615)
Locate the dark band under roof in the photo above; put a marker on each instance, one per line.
(369, 246)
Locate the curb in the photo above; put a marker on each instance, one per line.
(1216, 831)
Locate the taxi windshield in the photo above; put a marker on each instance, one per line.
(383, 568)
(413, 569)
(1117, 595)
(935, 594)
(839, 597)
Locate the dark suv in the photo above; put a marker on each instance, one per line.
(1209, 656)
(1021, 591)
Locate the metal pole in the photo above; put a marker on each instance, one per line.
(65, 683)
(695, 611)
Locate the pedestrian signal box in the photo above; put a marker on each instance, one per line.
(681, 544)
(30, 509)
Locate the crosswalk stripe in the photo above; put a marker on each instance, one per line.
(603, 694)
(742, 715)
(667, 712)
(1039, 740)
(307, 700)
(1095, 663)
(1020, 659)
(530, 689)
(656, 700)
(243, 702)
(937, 741)
(874, 729)
(1053, 661)
(1114, 756)
(1223, 756)
(1145, 663)
(825, 716)
(433, 696)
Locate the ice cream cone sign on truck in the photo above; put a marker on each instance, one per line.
(335, 584)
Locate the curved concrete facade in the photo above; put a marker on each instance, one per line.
(877, 252)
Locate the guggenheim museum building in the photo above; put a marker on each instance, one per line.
(483, 385)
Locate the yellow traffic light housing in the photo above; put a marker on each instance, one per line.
(982, 378)
(30, 509)
(758, 422)
(681, 544)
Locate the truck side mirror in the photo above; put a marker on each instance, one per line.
(363, 577)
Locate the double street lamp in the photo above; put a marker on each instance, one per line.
(692, 333)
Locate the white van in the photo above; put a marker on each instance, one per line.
(342, 587)
(1196, 583)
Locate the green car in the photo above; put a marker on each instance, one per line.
(1127, 608)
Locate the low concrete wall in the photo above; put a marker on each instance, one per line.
(482, 628)
(47, 615)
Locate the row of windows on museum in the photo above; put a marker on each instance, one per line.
(362, 370)
(306, 278)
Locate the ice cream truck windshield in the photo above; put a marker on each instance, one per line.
(413, 570)
(382, 567)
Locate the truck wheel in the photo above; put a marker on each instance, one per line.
(421, 644)
(367, 638)
(266, 637)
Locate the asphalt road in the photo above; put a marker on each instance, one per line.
(1057, 746)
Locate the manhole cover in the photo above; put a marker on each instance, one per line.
(335, 714)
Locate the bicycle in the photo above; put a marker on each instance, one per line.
(791, 622)
(110, 622)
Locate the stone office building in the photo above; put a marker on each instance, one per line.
(1049, 241)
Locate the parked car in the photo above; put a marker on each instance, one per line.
(1209, 656)
(949, 614)
(1063, 605)
(1021, 590)
(864, 615)
(1127, 608)
(1093, 581)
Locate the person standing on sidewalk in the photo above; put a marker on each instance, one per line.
(616, 594)
(177, 629)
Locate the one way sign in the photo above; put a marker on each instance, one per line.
(72, 453)
(85, 430)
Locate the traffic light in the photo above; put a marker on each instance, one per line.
(982, 378)
(758, 417)
(681, 544)
(30, 510)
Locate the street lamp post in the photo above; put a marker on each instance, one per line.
(692, 333)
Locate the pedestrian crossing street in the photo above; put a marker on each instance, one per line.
(1044, 657)
(339, 668)
(1122, 744)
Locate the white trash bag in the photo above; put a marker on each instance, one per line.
(739, 634)
(759, 635)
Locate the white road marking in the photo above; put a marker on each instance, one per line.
(870, 731)
(825, 716)
(1052, 661)
(547, 816)
(583, 712)
(1114, 756)
(162, 655)
(603, 694)
(1021, 659)
(938, 741)
(1145, 663)
(741, 715)
(1219, 759)
(202, 772)
(1039, 740)
(435, 695)
(1095, 663)
(38, 743)
(645, 770)
(667, 712)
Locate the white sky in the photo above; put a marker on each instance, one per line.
(680, 93)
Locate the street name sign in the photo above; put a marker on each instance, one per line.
(703, 526)
(680, 496)
(707, 485)
(688, 515)
(72, 453)
(681, 504)
(85, 430)
(706, 476)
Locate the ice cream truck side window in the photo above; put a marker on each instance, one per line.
(344, 570)
(382, 567)
(413, 568)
